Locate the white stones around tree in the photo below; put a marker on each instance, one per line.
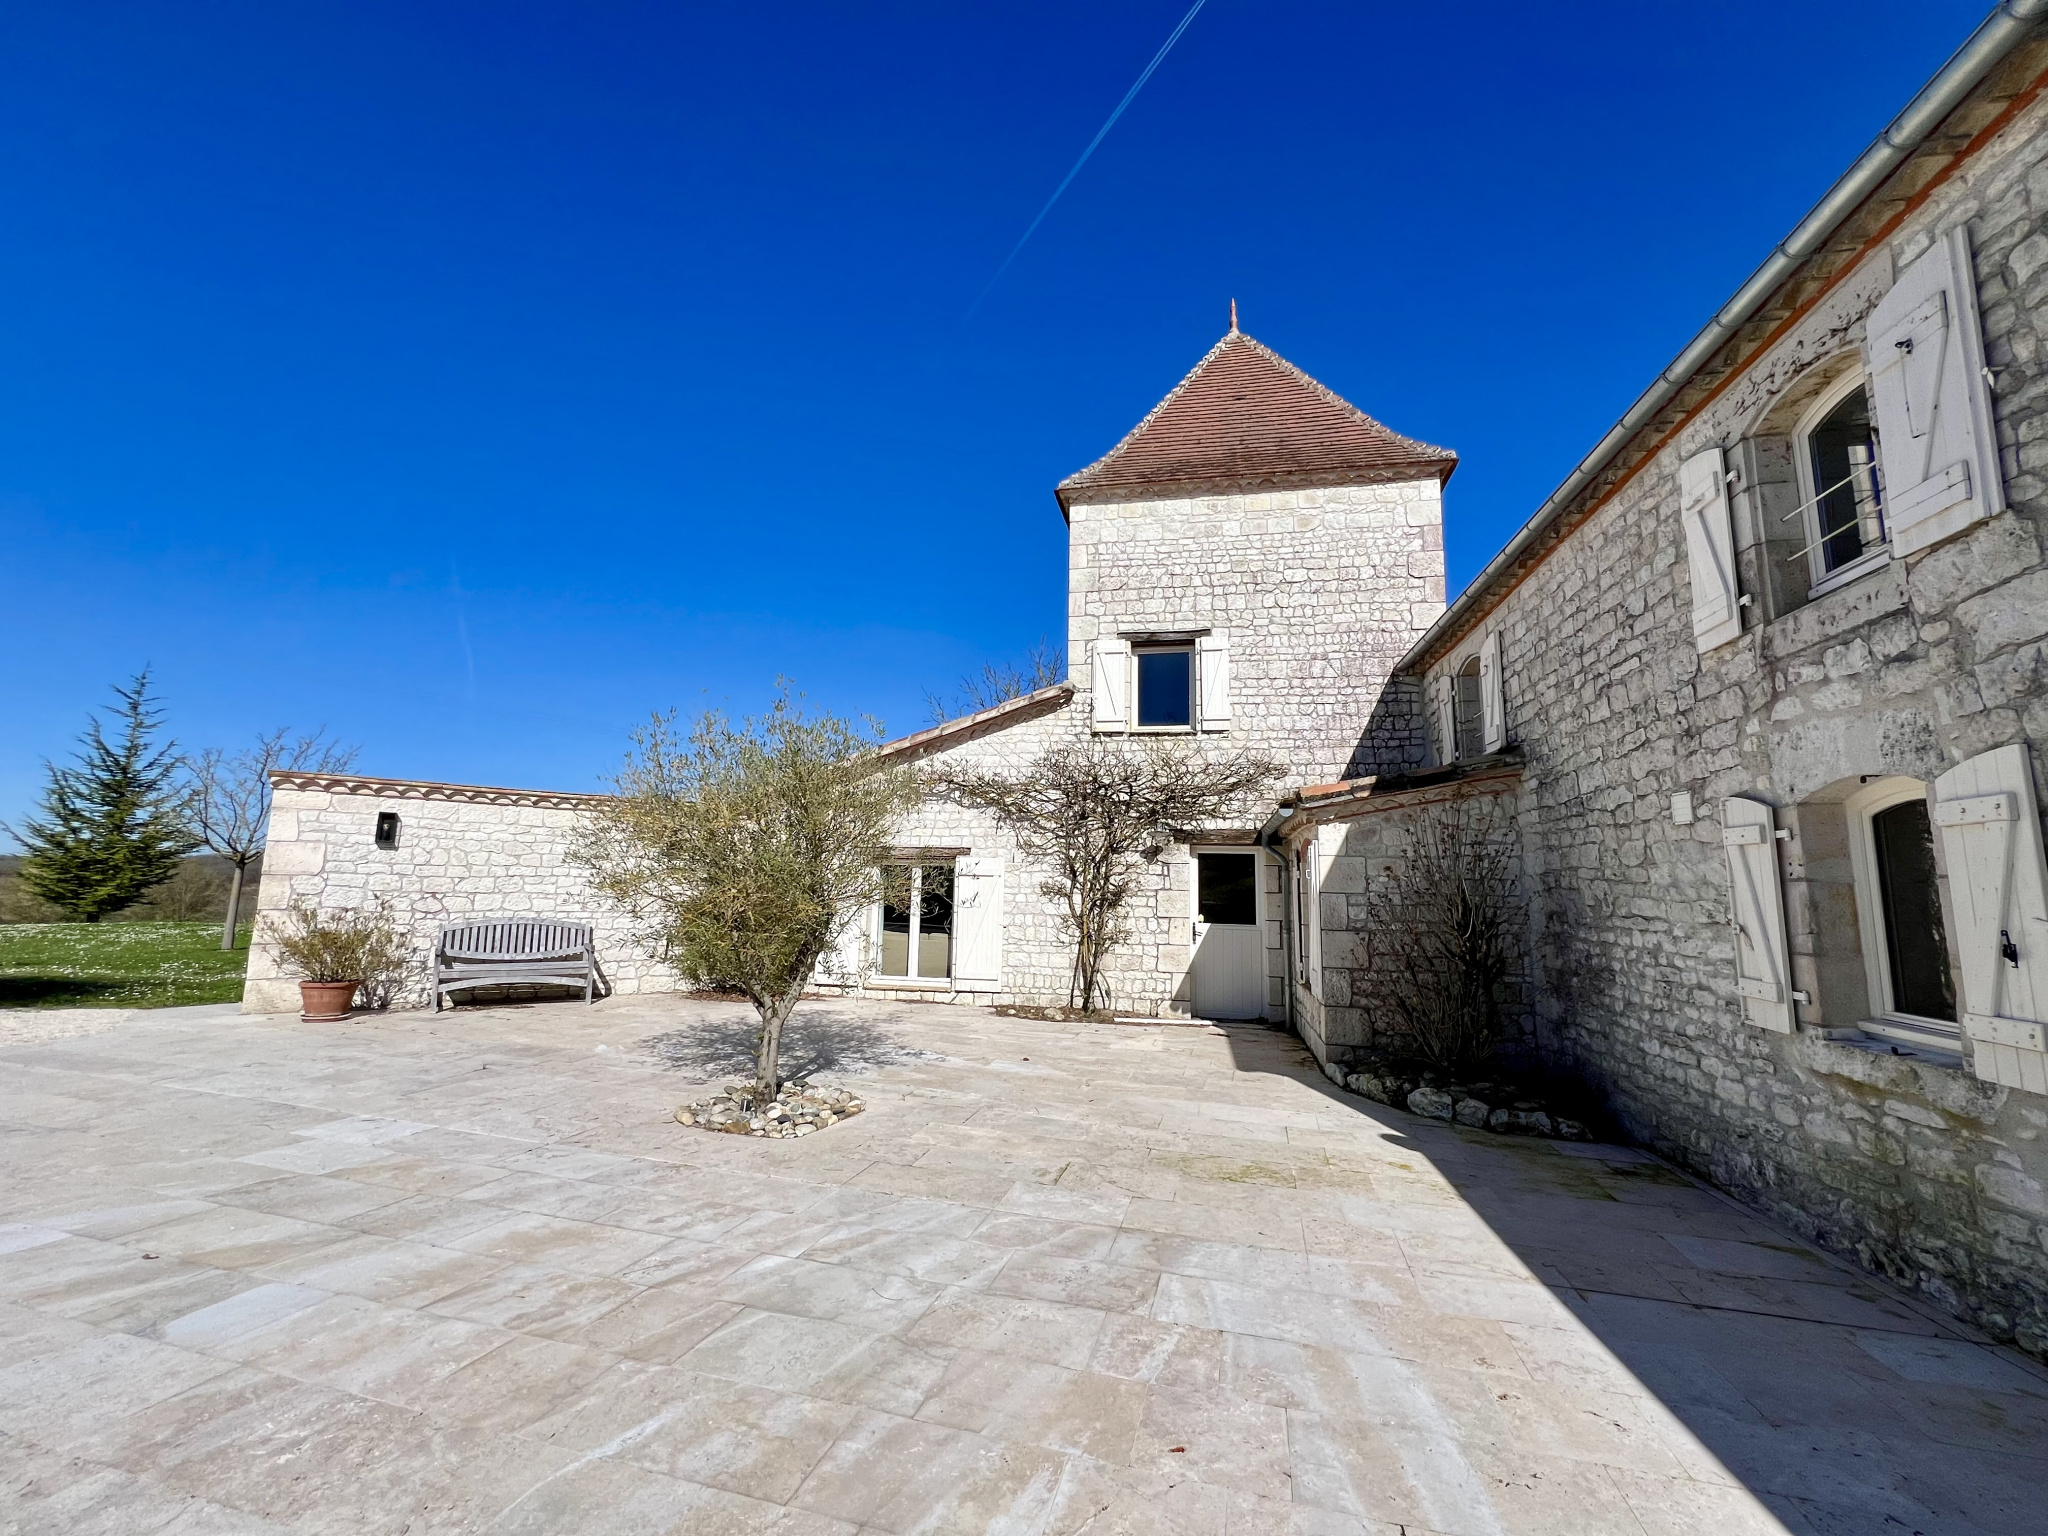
(800, 1109)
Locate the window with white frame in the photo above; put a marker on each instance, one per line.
(1841, 496)
(1166, 686)
(1302, 915)
(1468, 705)
(1898, 907)
(1308, 919)
(914, 936)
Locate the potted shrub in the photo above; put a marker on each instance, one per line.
(335, 953)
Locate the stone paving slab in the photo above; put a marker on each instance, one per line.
(464, 1274)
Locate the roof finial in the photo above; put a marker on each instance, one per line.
(1233, 317)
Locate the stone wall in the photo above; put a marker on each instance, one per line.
(1341, 1013)
(1320, 590)
(463, 852)
(1147, 974)
(1907, 1162)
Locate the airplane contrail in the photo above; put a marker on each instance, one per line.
(1102, 132)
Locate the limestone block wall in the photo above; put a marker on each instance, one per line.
(1147, 974)
(1916, 1168)
(1320, 590)
(1341, 1013)
(463, 852)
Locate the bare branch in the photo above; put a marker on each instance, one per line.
(227, 797)
(1092, 812)
(1440, 925)
(999, 682)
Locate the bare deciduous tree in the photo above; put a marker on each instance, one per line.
(1092, 812)
(746, 851)
(1441, 929)
(227, 799)
(999, 682)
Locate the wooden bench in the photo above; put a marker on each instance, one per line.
(514, 951)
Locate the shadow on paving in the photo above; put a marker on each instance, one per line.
(56, 991)
(1843, 1405)
(815, 1040)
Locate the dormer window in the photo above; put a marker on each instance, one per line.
(1166, 686)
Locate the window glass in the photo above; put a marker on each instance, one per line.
(1468, 711)
(895, 956)
(1166, 687)
(1914, 941)
(935, 921)
(1848, 514)
(1226, 887)
(917, 921)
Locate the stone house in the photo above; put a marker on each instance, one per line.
(1763, 693)
(1759, 697)
(1247, 568)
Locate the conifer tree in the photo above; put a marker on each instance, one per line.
(110, 827)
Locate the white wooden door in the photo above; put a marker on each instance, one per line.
(1230, 953)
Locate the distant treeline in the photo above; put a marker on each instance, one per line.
(196, 893)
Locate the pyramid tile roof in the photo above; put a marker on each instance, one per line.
(1247, 416)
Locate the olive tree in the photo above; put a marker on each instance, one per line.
(746, 851)
(1091, 813)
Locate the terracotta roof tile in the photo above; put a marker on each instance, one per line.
(1246, 414)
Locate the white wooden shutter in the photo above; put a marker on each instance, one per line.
(1212, 660)
(1710, 543)
(1112, 668)
(1762, 973)
(1443, 697)
(1315, 916)
(978, 923)
(1491, 713)
(1998, 889)
(1935, 438)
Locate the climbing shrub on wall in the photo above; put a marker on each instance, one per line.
(1440, 922)
(1092, 813)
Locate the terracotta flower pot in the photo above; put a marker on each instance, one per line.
(322, 1002)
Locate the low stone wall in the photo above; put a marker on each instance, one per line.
(462, 852)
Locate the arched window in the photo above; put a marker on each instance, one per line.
(1841, 499)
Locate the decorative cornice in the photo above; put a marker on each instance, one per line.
(419, 789)
(1131, 492)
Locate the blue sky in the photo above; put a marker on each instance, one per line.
(474, 378)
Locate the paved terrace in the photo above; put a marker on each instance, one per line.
(464, 1274)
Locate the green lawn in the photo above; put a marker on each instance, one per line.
(118, 965)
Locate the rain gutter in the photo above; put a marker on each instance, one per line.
(1966, 69)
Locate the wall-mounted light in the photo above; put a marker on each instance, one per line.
(387, 829)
